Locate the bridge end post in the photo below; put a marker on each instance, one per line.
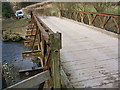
(55, 40)
(31, 14)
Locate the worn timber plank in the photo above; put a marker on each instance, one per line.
(30, 32)
(89, 54)
(55, 40)
(29, 54)
(32, 81)
(26, 73)
(65, 79)
(30, 43)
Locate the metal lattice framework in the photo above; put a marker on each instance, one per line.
(48, 52)
(45, 46)
(105, 21)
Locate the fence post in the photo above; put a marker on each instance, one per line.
(31, 14)
(55, 45)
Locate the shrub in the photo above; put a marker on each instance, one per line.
(7, 10)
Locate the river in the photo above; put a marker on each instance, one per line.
(12, 55)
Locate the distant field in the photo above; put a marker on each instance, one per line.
(15, 27)
(111, 10)
(114, 10)
(89, 8)
(14, 24)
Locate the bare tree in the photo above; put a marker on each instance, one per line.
(101, 7)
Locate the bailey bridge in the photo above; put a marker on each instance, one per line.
(72, 51)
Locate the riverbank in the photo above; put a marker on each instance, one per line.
(12, 56)
(14, 27)
(12, 51)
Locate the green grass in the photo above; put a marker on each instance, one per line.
(90, 8)
(85, 8)
(53, 11)
(113, 10)
(14, 26)
(11, 24)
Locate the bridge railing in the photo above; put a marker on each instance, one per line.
(109, 22)
(48, 45)
(45, 46)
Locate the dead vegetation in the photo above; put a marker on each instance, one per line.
(13, 29)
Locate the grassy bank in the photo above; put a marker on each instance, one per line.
(15, 26)
(108, 8)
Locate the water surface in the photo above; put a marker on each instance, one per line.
(12, 54)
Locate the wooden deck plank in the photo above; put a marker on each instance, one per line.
(97, 81)
(88, 55)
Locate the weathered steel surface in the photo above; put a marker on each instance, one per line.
(89, 54)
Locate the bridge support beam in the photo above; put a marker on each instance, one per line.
(29, 54)
(30, 43)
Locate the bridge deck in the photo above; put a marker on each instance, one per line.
(89, 56)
